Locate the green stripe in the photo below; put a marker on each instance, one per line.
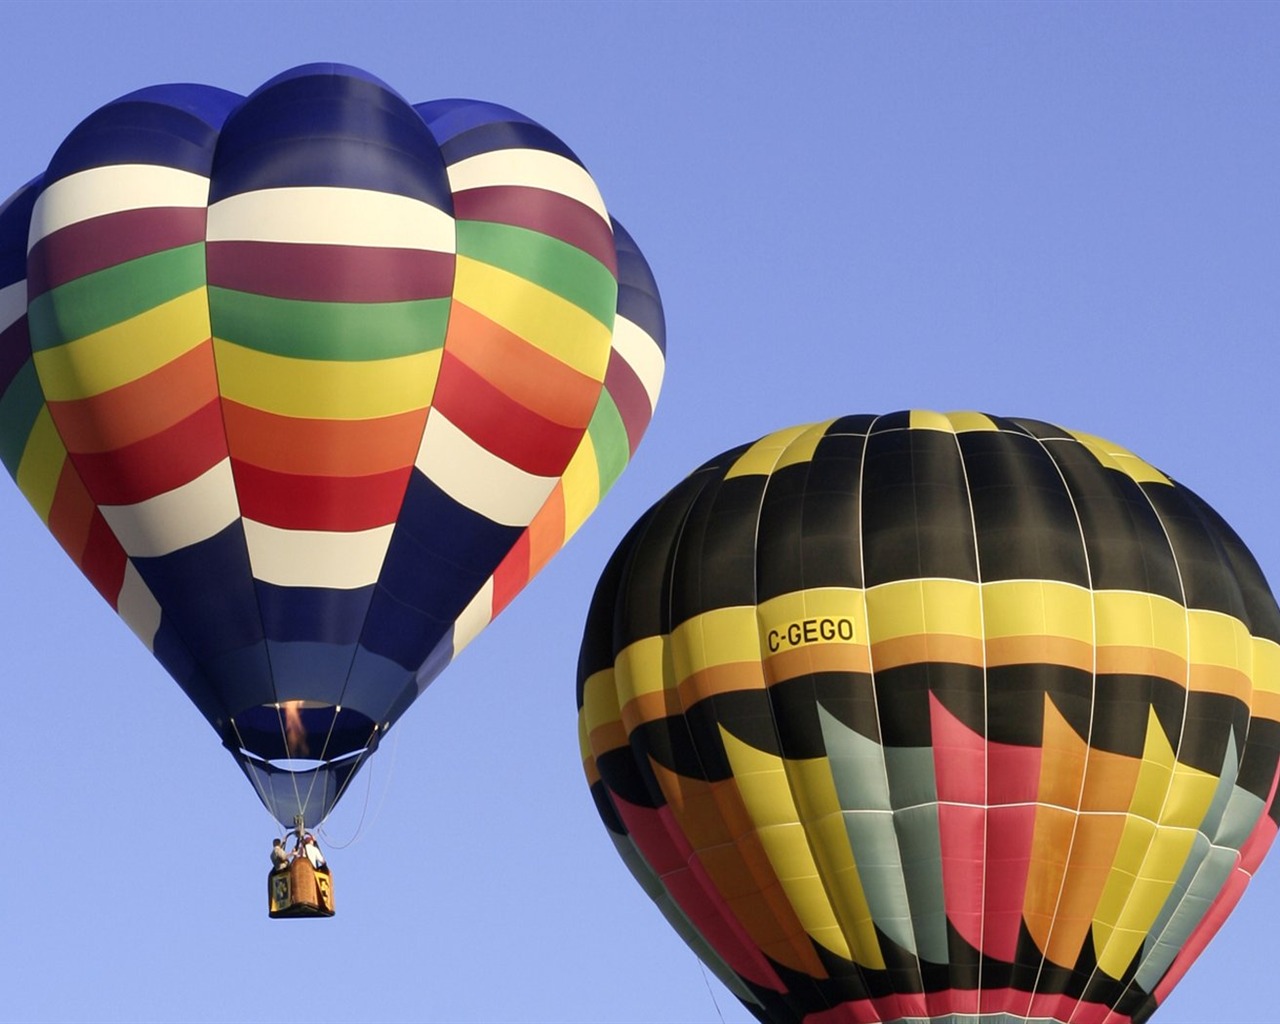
(344, 331)
(548, 262)
(111, 296)
(19, 406)
(609, 438)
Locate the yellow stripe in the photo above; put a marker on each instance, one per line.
(1129, 619)
(1037, 608)
(641, 668)
(125, 351)
(926, 419)
(599, 700)
(1266, 666)
(722, 636)
(1115, 457)
(41, 465)
(324, 389)
(545, 320)
(581, 486)
(1156, 773)
(761, 458)
(965, 422)
(1219, 639)
(766, 792)
(915, 607)
(802, 448)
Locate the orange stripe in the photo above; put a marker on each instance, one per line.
(1142, 661)
(546, 532)
(140, 409)
(315, 447)
(523, 373)
(1040, 650)
(1266, 705)
(1219, 679)
(926, 647)
(714, 819)
(608, 737)
(800, 661)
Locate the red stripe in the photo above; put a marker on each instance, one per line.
(71, 513)
(512, 574)
(668, 853)
(108, 241)
(630, 397)
(104, 560)
(551, 213)
(154, 465)
(330, 273)
(333, 503)
(500, 424)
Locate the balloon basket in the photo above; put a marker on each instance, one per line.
(300, 890)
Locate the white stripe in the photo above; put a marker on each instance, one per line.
(13, 304)
(138, 607)
(475, 477)
(475, 616)
(316, 558)
(532, 168)
(332, 216)
(102, 190)
(642, 354)
(178, 518)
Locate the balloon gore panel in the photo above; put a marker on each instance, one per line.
(310, 383)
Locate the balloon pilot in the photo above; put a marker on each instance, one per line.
(299, 884)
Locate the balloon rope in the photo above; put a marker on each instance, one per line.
(710, 991)
(360, 825)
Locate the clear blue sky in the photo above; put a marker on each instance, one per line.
(1070, 212)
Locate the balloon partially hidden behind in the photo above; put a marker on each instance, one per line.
(309, 384)
(929, 716)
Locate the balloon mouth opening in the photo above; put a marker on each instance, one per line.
(301, 735)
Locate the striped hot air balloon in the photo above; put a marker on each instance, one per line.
(310, 383)
(935, 718)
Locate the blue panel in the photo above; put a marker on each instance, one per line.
(206, 593)
(335, 130)
(146, 131)
(310, 671)
(637, 290)
(174, 657)
(375, 684)
(15, 225)
(208, 103)
(242, 678)
(501, 135)
(310, 793)
(402, 634)
(436, 662)
(449, 118)
(321, 69)
(313, 613)
(451, 534)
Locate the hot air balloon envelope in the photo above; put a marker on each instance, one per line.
(935, 717)
(310, 383)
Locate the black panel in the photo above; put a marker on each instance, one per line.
(1126, 544)
(915, 509)
(1026, 523)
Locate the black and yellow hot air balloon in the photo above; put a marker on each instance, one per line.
(927, 716)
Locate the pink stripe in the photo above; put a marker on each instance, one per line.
(550, 213)
(667, 851)
(330, 273)
(108, 241)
